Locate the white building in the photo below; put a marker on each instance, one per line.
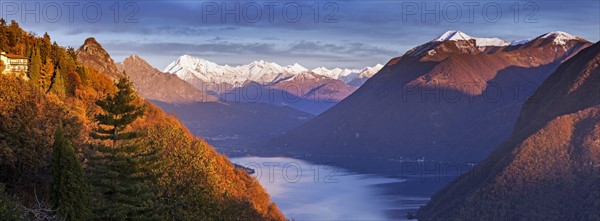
(14, 64)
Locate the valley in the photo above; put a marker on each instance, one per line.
(434, 85)
(282, 111)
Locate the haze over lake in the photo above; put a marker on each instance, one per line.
(306, 191)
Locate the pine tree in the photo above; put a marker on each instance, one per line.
(57, 84)
(69, 189)
(45, 48)
(121, 169)
(34, 66)
(46, 74)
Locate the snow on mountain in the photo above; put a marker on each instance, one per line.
(453, 35)
(483, 44)
(344, 75)
(370, 71)
(191, 68)
(490, 42)
(520, 42)
(296, 68)
(560, 37)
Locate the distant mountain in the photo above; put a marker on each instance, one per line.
(353, 77)
(159, 86)
(306, 91)
(548, 168)
(191, 68)
(243, 83)
(229, 126)
(453, 98)
(310, 85)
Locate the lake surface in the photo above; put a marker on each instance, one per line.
(306, 191)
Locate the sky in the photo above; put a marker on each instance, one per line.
(346, 34)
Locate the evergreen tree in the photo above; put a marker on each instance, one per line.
(46, 74)
(122, 171)
(34, 66)
(69, 189)
(57, 84)
(45, 48)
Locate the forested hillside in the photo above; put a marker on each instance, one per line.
(76, 145)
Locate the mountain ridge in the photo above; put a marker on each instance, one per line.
(555, 146)
(188, 67)
(160, 86)
(93, 55)
(434, 105)
(267, 82)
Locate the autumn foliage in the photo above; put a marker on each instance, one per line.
(194, 182)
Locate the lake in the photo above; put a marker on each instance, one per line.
(307, 191)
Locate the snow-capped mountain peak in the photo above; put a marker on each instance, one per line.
(296, 68)
(483, 44)
(192, 68)
(559, 37)
(453, 35)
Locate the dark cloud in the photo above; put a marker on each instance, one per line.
(363, 32)
(301, 48)
(349, 48)
(222, 47)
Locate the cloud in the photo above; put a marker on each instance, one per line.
(219, 46)
(349, 48)
(307, 53)
(360, 32)
(222, 47)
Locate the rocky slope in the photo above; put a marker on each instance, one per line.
(549, 168)
(448, 99)
(159, 86)
(93, 55)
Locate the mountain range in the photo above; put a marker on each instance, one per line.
(454, 98)
(529, 109)
(232, 127)
(235, 124)
(311, 91)
(548, 168)
(192, 68)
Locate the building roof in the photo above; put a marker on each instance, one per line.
(14, 56)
